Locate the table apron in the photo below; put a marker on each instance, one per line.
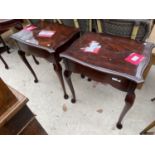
(118, 82)
(35, 51)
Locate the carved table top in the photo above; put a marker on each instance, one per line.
(111, 56)
(62, 34)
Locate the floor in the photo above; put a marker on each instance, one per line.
(98, 106)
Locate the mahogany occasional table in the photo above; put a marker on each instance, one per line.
(109, 64)
(48, 48)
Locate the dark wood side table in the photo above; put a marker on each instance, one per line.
(44, 47)
(109, 65)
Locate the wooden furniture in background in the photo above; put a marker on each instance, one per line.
(5, 25)
(136, 29)
(9, 103)
(3, 48)
(48, 48)
(152, 39)
(15, 116)
(109, 65)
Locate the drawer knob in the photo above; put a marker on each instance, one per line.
(116, 79)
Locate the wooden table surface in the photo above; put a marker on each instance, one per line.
(111, 57)
(62, 35)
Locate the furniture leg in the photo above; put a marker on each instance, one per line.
(8, 50)
(82, 76)
(4, 44)
(129, 100)
(22, 55)
(6, 65)
(89, 79)
(35, 60)
(67, 75)
(58, 70)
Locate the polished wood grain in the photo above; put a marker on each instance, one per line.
(109, 65)
(47, 48)
(62, 35)
(111, 57)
